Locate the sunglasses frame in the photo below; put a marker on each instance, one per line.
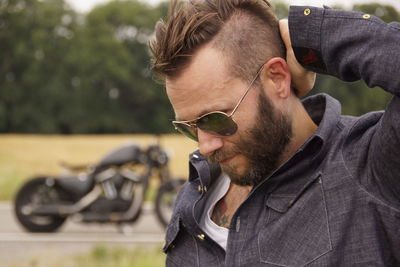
(192, 124)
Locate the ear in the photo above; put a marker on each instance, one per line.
(276, 77)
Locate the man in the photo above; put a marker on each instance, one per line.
(278, 181)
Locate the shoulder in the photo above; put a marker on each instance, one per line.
(355, 146)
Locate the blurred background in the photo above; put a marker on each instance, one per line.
(75, 83)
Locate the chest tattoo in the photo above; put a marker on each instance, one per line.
(220, 215)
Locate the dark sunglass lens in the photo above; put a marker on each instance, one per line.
(186, 130)
(218, 123)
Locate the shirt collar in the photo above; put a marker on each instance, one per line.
(292, 179)
(325, 112)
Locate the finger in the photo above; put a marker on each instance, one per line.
(284, 30)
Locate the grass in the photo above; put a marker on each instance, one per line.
(26, 156)
(101, 256)
(121, 257)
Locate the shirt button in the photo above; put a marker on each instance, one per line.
(200, 189)
(366, 16)
(307, 11)
(238, 225)
(201, 237)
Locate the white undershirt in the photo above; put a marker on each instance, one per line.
(217, 233)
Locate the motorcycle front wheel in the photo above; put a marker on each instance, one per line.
(165, 199)
(32, 194)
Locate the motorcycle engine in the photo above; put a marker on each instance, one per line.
(118, 193)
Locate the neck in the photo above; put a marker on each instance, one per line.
(226, 207)
(303, 127)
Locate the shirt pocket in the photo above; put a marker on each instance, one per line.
(299, 235)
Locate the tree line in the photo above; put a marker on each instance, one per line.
(66, 72)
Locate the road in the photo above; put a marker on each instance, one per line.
(18, 246)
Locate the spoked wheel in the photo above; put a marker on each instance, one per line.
(165, 199)
(33, 194)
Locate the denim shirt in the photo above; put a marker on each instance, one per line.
(336, 201)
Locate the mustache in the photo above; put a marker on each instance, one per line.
(221, 155)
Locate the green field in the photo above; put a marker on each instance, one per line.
(120, 257)
(25, 156)
(101, 256)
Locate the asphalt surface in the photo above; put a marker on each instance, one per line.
(18, 247)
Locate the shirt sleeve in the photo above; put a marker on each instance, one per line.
(353, 46)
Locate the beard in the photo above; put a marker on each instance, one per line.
(262, 145)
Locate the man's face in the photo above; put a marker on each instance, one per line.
(263, 132)
(262, 145)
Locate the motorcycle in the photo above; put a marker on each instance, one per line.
(111, 191)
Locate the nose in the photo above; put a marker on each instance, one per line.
(208, 143)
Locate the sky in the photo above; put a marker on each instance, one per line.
(86, 5)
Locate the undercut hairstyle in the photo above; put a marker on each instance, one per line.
(246, 32)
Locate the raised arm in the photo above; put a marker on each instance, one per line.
(347, 45)
(353, 46)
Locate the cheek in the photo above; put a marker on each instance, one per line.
(246, 117)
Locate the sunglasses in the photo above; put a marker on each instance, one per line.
(215, 122)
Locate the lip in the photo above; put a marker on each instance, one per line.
(226, 161)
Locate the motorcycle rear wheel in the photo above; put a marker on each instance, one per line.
(33, 193)
(165, 199)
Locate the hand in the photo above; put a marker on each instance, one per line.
(302, 79)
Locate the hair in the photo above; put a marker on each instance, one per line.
(246, 32)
